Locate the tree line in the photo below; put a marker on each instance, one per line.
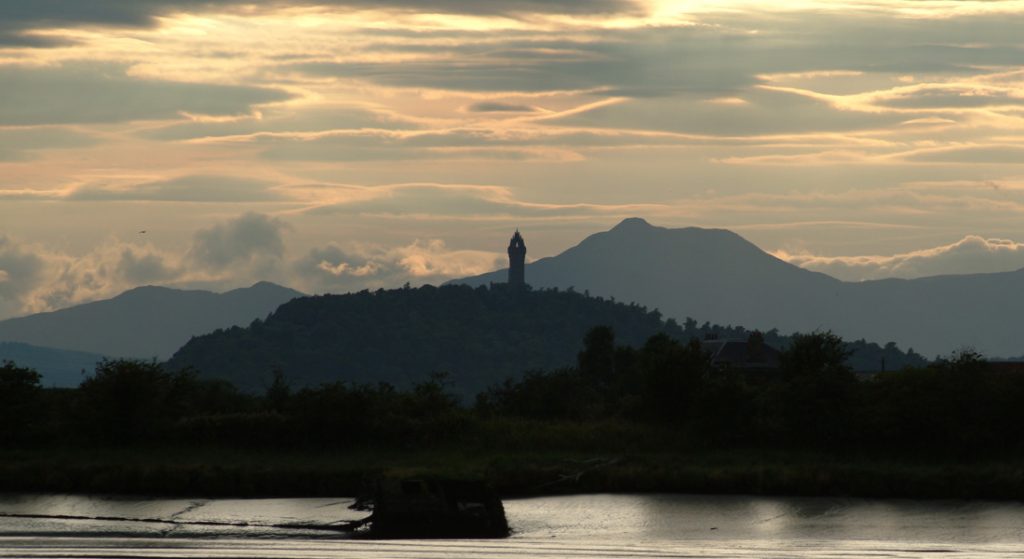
(665, 394)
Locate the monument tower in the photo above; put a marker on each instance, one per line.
(517, 260)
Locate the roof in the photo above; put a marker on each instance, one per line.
(741, 354)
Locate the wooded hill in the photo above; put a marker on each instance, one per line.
(478, 336)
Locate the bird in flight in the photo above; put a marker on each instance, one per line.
(143, 232)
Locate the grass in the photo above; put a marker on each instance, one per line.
(178, 471)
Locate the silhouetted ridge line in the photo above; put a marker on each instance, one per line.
(144, 322)
(479, 336)
(718, 276)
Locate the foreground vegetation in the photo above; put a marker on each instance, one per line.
(654, 418)
(235, 472)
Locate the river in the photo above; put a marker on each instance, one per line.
(605, 526)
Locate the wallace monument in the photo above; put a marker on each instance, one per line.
(517, 260)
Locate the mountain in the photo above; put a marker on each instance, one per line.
(59, 367)
(716, 275)
(145, 322)
(707, 274)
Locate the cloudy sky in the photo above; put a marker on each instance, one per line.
(333, 145)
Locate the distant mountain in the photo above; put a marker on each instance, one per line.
(59, 367)
(145, 322)
(716, 275)
(708, 274)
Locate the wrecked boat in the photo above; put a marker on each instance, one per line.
(434, 508)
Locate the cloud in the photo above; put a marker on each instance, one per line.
(988, 154)
(37, 278)
(942, 96)
(657, 61)
(193, 188)
(18, 144)
(141, 266)
(87, 92)
(252, 242)
(458, 201)
(21, 269)
(972, 254)
(334, 269)
(232, 253)
(715, 54)
(284, 119)
(228, 254)
(107, 270)
(764, 112)
(470, 142)
(386, 145)
(18, 18)
(497, 107)
(814, 101)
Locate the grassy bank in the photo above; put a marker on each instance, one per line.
(217, 472)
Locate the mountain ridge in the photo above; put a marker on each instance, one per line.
(146, 321)
(61, 368)
(716, 275)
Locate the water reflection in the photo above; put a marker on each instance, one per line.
(580, 526)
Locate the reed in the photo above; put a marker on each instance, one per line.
(175, 471)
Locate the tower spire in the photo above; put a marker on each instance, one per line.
(517, 260)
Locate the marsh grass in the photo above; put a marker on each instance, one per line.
(171, 471)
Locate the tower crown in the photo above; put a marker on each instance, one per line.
(517, 242)
(517, 260)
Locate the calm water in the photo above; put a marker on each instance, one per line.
(603, 526)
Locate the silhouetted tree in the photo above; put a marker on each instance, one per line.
(559, 394)
(671, 375)
(20, 399)
(597, 360)
(815, 354)
(965, 360)
(278, 393)
(129, 401)
(816, 403)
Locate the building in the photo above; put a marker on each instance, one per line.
(517, 260)
(750, 355)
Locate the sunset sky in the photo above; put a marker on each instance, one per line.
(334, 145)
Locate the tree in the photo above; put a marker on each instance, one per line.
(20, 399)
(671, 375)
(817, 401)
(597, 360)
(965, 360)
(127, 400)
(815, 354)
(278, 393)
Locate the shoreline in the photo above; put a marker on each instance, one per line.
(175, 472)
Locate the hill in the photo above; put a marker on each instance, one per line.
(480, 336)
(60, 368)
(716, 275)
(144, 322)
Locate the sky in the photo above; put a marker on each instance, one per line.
(336, 145)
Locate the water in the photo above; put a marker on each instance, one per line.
(605, 526)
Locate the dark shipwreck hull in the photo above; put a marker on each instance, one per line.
(436, 508)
